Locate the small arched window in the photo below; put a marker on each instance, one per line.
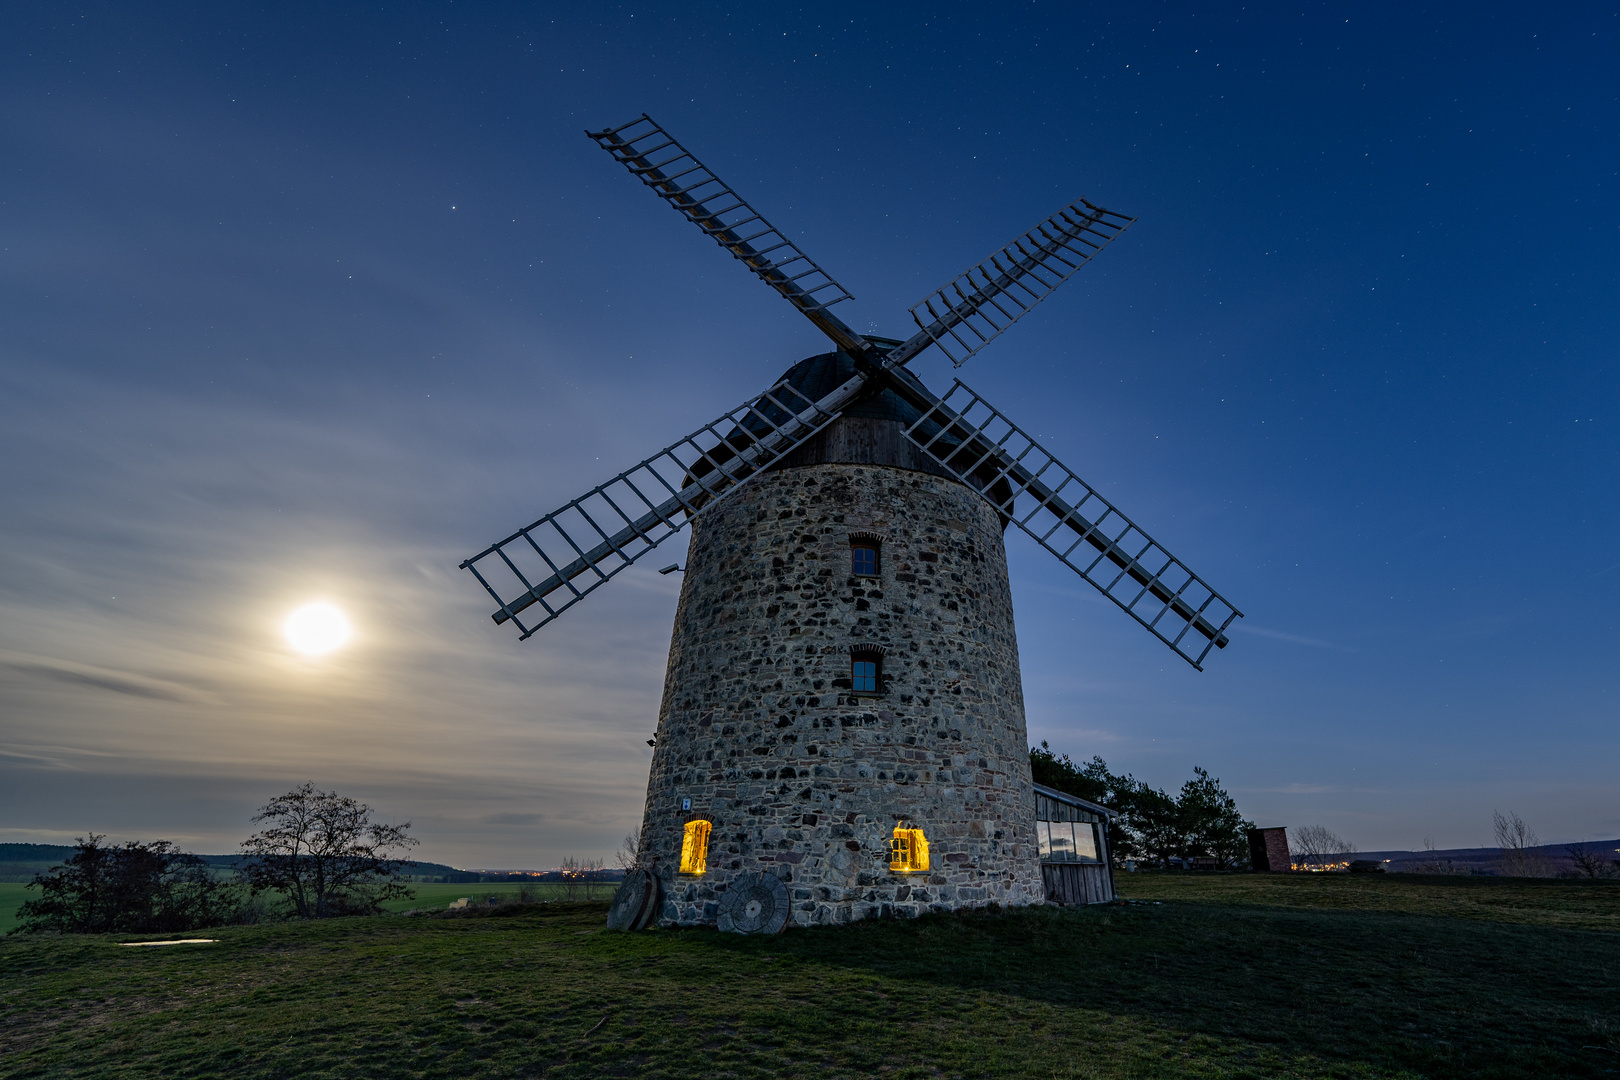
(865, 556)
(695, 848)
(866, 671)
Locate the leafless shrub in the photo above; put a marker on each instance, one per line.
(1316, 846)
(1519, 845)
(581, 878)
(1592, 861)
(629, 854)
(1432, 863)
(570, 878)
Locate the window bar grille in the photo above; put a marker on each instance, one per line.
(967, 314)
(634, 145)
(961, 433)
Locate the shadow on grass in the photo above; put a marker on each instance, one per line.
(1430, 995)
(1241, 987)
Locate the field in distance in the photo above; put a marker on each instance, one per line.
(12, 895)
(1210, 976)
(439, 896)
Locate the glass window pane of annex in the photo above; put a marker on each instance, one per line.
(1085, 842)
(1067, 841)
(1062, 843)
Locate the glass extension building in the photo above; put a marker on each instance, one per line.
(1072, 834)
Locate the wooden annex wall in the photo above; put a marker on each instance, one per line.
(1075, 881)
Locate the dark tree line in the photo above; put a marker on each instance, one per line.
(1201, 821)
(318, 855)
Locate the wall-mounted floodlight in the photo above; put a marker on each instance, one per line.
(670, 569)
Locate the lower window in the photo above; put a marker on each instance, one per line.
(908, 851)
(695, 848)
(866, 671)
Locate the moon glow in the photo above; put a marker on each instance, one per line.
(316, 628)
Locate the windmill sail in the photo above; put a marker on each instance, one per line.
(655, 158)
(1071, 520)
(556, 561)
(975, 308)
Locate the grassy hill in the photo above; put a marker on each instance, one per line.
(1242, 976)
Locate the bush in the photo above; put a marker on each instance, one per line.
(137, 888)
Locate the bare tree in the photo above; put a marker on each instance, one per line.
(1592, 861)
(1521, 854)
(595, 880)
(569, 869)
(629, 854)
(323, 853)
(1315, 845)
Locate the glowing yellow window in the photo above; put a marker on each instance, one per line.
(695, 848)
(908, 851)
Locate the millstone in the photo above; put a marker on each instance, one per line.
(636, 903)
(754, 904)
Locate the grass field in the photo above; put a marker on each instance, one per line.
(11, 897)
(1242, 976)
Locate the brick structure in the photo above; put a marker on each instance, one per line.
(762, 733)
(1268, 850)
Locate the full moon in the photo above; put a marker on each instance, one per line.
(316, 628)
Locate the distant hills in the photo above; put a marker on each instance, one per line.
(1478, 860)
(20, 862)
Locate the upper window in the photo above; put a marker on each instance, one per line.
(695, 848)
(864, 556)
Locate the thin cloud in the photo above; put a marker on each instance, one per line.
(1292, 639)
(117, 682)
(511, 819)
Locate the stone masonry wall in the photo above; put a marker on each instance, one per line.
(800, 777)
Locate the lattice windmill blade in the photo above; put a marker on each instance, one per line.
(1073, 521)
(655, 158)
(975, 308)
(602, 532)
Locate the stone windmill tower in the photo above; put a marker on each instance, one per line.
(842, 730)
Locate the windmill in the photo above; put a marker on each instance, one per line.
(842, 729)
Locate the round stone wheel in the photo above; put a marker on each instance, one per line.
(635, 905)
(754, 904)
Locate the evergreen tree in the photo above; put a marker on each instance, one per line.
(1153, 826)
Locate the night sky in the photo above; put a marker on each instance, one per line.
(308, 303)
